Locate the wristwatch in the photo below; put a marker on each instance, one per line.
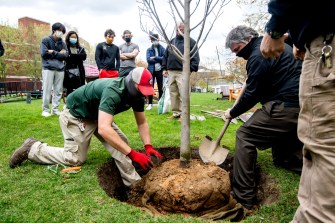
(274, 34)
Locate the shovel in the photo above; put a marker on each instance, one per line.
(211, 151)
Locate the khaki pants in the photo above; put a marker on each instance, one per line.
(76, 145)
(175, 83)
(175, 86)
(316, 129)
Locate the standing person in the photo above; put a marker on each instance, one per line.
(314, 43)
(107, 56)
(2, 49)
(155, 55)
(128, 53)
(53, 52)
(172, 68)
(90, 110)
(74, 66)
(275, 84)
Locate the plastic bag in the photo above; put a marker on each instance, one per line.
(73, 72)
(164, 103)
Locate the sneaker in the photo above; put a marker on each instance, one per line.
(149, 107)
(56, 112)
(46, 114)
(21, 154)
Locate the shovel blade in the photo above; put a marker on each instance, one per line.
(210, 151)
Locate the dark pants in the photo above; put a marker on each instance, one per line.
(124, 71)
(159, 78)
(273, 126)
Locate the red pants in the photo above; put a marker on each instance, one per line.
(108, 74)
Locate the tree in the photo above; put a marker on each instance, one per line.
(256, 16)
(236, 70)
(202, 24)
(22, 50)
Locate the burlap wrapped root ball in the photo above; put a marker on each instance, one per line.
(196, 190)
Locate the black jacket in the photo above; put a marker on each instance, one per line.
(73, 61)
(268, 79)
(2, 50)
(171, 62)
(305, 20)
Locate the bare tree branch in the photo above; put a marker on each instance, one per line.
(172, 3)
(212, 11)
(195, 8)
(148, 9)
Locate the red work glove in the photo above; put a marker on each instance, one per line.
(141, 159)
(151, 151)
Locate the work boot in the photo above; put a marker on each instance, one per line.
(21, 154)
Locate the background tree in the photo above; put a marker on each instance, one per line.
(257, 15)
(9, 37)
(202, 24)
(33, 35)
(236, 70)
(22, 50)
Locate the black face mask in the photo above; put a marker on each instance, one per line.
(132, 91)
(180, 37)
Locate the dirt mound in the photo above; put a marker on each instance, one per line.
(190, 190)
(201, 190)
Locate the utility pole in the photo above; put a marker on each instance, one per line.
(217, 52)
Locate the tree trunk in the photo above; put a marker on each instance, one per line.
(185, 149)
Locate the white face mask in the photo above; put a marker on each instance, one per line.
(155, 43)
(59, 34)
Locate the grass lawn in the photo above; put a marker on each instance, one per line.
(32, 193)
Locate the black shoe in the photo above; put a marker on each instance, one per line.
(246, 205)
(174, 116)
(21, 154)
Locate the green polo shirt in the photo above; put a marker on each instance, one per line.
(107, 94)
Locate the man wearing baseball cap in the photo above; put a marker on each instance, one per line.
(91, 110)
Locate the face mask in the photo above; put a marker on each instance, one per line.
(155, 43)
(109, 40)
(179, 36)
(59, 34)
(73, 40)
(128, 39)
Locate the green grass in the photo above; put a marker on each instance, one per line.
(32, 193)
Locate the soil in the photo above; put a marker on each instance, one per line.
(199, 190)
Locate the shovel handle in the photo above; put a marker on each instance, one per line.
(226, 124)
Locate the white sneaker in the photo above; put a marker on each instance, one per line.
(46, 114)
(56, 112)
(149, 107)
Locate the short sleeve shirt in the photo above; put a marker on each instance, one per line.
(124, 48)
(107, 94)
